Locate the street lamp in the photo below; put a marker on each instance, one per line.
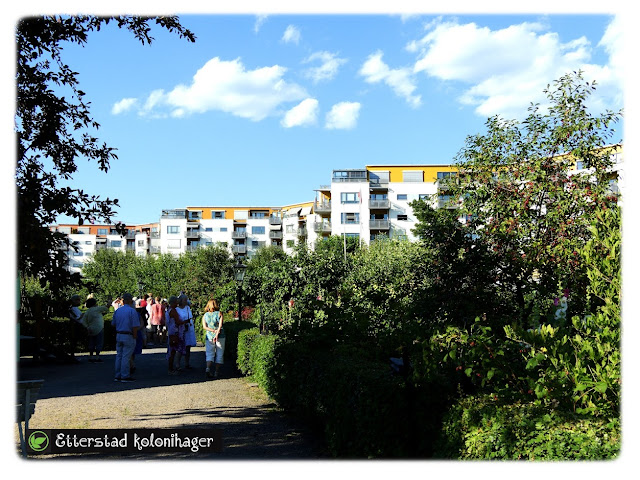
(239, 270)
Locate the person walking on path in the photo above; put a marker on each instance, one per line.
(214, 337)
(175, 333)
(186, 317)
(126, 322)
(75, 324)
(157, 314)
(94, 323)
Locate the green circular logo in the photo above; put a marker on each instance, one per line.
(38, 441)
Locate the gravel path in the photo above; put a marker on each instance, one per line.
(85, 396)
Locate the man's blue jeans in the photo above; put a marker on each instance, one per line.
(124, 349)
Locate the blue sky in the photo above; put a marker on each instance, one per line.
(261, 108)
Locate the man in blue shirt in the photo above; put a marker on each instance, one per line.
(126, 321)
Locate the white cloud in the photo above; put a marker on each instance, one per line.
(123, 105)
(506, 69)
(291, 35)
(303, 114)
(401, 80)
(330, 63)
(260, 19)
(229, 87)
(343, 115)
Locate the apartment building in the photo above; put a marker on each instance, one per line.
(364, 203)
(374, 201)
(86, 240)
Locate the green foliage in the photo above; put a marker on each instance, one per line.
(480, 427)
(54, 130)
(245, 340)
(514, 186)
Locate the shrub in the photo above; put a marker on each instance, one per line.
(245, 340)
(481, 428)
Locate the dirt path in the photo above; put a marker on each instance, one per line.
(85, 396)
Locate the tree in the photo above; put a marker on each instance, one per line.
(515, 187)
(54, 130)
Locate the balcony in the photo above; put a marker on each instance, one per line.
(379, 204)
(275, 221)
(302, 231)
(101, 246)
(191, 248)
(131, 234)
(155, 234)
(131, 247)
(192, 234)
(322, 227)
(379, 224)
(322, 207)
(238, 235)
(240, 249)
(174, 214)
(154, 250)
(275, 234)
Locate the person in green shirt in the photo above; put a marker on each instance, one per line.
(214, 337)
(94, 323)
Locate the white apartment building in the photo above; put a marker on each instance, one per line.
(363, 203)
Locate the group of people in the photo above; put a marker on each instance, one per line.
(150, 321)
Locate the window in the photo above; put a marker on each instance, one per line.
(217, 215)
(154, 229)
(208, 229)
(173, 244)
(88, 242)
(173, 229)
(351, 235)
(349, 197)
(116, 243)
(412, 176)
(378, 196)
(350, 218)
(423, 196)
(76, 265)
(443, 175)
(141, 243)
(223, 229)
(87, 254)
(77, 254)
(580, 165)
(289, 229)
(195, 215)
(402, 217)
(257, 244)
(259, 214)
(257, 230)
(290, 243)
(103, 231)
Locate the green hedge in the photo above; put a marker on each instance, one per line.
(481, 428)
(361, 407)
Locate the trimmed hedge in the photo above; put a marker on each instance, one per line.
(481, 428)
(360, 405)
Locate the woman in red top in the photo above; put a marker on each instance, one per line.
(156, 320)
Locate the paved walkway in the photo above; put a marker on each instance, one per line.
(85, 396)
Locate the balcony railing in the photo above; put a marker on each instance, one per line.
(239, 249)
(302, 232)
(174, 214)
(322, 227)
(101, 246)
(191, 248)
(378, 224)
(379, 204)
(191, 234)
(322, 207)
(154, 250)
(154, 234)
(238, 235)
(275, 234)
(131, 247)
(275, 221)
